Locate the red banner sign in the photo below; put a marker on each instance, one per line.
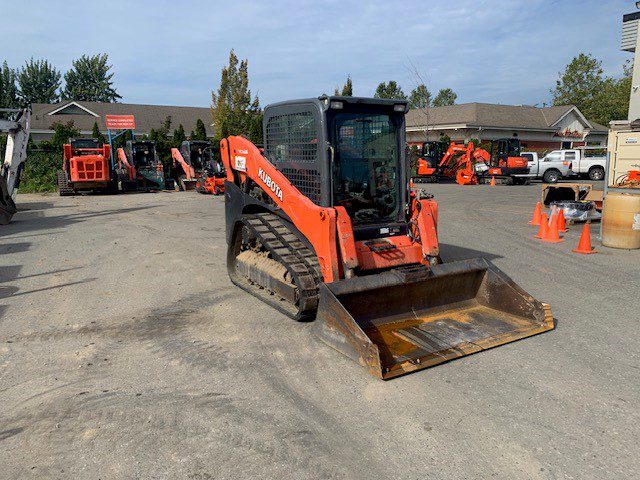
(120, 122)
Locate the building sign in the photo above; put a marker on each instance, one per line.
(568, 134)
(120, 122)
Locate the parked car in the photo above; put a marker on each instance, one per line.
(586, 164)
(552, 167)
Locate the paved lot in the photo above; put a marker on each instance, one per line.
(125, 352)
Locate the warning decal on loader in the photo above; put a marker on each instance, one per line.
(241, 163)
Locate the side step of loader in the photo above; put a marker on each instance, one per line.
(394, 323)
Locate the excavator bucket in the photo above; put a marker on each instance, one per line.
(401, 321)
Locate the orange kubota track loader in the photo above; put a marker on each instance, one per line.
(200, 170)
(86, 166)
(323, 225)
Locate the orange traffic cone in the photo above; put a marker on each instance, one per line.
(584, 246)
(493, 181)
(544, 226)
(562, 223)
(535, 220)
(552, 235)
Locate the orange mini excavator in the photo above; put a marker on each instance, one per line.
(323, 225)
(200, 170)
(86, 166)
(505, 162)
(462, 163)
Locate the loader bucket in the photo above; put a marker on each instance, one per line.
(398, 322)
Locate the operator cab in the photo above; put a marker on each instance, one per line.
(80, 144)
(196, 153)
(344, 151)
(433, 151)
(506, 155)
(502, 149)
(141, 153)
(366, 148)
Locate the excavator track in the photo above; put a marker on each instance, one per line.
(268, 260)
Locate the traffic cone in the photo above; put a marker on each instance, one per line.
(552, 235)
(584, 246)
(535, 220)
(544, 226)
(493, 181)
(562, 223)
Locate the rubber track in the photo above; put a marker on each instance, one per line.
(63, 184)
(286, 248)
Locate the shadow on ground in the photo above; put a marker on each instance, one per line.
(452, 253)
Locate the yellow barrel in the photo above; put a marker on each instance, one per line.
(621, 221)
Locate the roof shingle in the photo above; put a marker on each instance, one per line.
(492, 115)
(147, 116)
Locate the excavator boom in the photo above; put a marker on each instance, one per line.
(17, 129)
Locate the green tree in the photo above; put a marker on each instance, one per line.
(8, 89)
(200, 132)
(233, 109)
(445, 97)
(163, 141)
(420, 97)
(38, 82)
(347, 88)
(389, 90)
(90, 80)
(97, 134)
(178, 136)
(611, 102)
(62, 133)
(600, 98)
(579, 84)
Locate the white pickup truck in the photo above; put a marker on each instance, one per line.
(589, 163)
(552, 167)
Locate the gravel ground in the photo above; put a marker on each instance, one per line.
(125, 352)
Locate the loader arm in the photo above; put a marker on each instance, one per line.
(243, 160)
(124, 162)
(179, 159)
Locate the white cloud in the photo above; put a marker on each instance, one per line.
(171, 53)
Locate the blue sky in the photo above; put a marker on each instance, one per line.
(171, 52)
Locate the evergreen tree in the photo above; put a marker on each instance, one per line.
(445, 97)
(234, 111)
(89, 80)
(347, 88)
(163, 143)
(8, 89)
(178, 136)
(420, 97)
(38, 82)
(97, 134)
(200, 132)
(389, 90)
